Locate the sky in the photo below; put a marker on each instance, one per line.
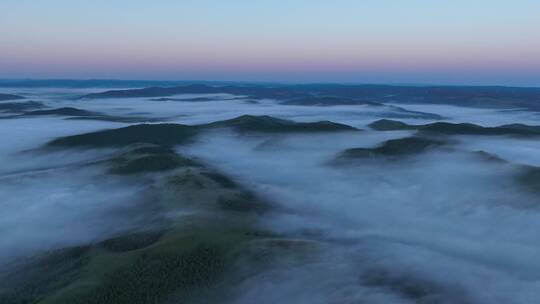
(355, 41)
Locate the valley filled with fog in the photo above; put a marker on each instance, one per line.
(315, 200)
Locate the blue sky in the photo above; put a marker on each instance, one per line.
(415, 41)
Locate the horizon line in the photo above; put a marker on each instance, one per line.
(271, 82)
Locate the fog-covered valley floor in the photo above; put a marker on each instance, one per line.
(224, 198)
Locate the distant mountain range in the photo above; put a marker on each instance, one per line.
(304, 94)
(330, 94)
(92, 83)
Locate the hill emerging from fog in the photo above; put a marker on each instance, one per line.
(17, 107)
(457, 128)
(4, 97)
(252, 123)
(174, 134)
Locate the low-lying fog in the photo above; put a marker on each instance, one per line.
(64, 207)
(444, 223)
(446, 218)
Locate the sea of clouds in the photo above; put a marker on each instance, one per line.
(444, 226)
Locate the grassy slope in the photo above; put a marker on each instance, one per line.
(175, 134)
(447, 128)
(393, 148)
(181, 259)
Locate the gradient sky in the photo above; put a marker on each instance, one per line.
(373, 41)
